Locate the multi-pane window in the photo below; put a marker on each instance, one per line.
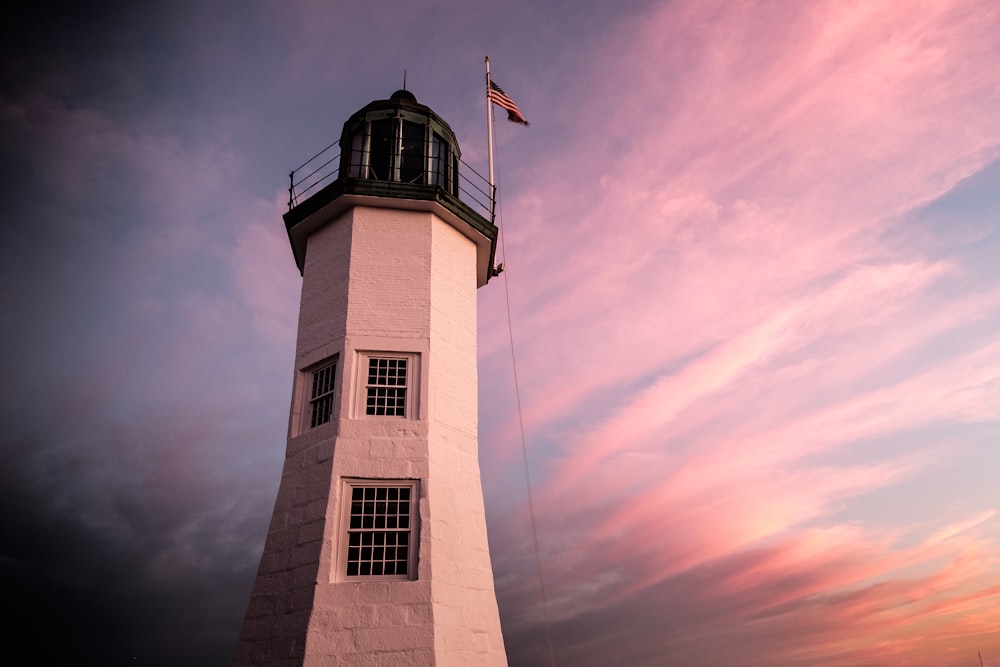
(321, 397)
(380, 527)
(386, 386)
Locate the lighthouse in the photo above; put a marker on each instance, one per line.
(377, 550)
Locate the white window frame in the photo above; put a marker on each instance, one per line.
(308, 386)
(352, 556)
(411, 388)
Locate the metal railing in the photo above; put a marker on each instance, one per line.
(318, 174)
(323, 168)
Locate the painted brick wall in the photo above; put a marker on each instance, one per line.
(277, 619)
(466, 621)
(396, 281)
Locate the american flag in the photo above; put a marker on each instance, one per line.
(496, 95)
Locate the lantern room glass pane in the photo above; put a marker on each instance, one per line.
(382, 149)
(439, 161)
(411, 158)
(357, 162)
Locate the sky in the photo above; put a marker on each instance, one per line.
(750, 255)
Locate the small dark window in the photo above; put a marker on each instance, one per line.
(321, 400)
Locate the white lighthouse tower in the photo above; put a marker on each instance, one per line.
(377, 551)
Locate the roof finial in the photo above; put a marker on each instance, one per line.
(404, 78)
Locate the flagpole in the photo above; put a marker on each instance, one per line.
(489, 142)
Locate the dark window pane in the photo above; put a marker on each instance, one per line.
(411, 159)
(357, 156)
(439, 162)
(321, 396)
(382, 149)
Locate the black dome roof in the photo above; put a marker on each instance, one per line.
(403, 94)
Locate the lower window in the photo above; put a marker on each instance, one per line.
(381, 521)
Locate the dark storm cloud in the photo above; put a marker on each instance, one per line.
(91, 584)
(130, 529)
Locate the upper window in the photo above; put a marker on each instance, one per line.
(387, 386)
(381, 518)
(321, 397)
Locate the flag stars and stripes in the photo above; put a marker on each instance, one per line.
(497, 96)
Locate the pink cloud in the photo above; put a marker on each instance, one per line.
(720, 347)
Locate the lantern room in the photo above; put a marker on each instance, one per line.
(393, 153)
(400, 140)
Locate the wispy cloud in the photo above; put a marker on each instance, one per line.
(740, 336)
(753, 298)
